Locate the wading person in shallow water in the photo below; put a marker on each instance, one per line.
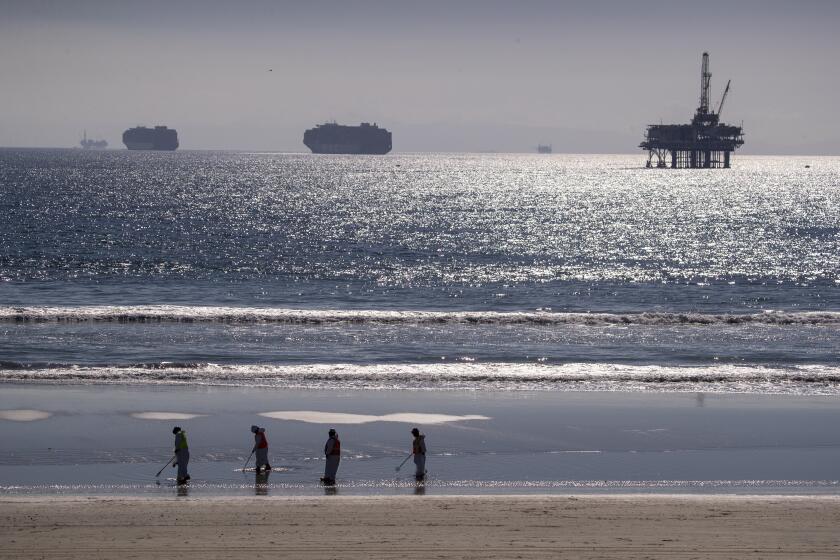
(332, 451)
(182, 454)
(260, 448)
(418, 449)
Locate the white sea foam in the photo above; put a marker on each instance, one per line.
(24, 415)
(245, 315)
(724, 378)
(317, 417)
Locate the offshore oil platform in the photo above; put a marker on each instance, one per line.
(705, 143)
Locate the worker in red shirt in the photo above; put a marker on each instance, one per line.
(332, 453)
(260, 448)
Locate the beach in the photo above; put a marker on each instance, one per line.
(607, 526)
(606, 361)
(112, 439)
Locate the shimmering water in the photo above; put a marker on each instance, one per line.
(419, 271)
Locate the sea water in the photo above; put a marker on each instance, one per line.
(473, 274)
(420, 271)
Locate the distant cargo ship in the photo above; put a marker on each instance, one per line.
(91, 144)
(332, 138)
(544, 149)
(157, 138)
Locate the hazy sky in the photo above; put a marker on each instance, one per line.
(442, 76)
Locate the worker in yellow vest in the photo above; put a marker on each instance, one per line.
(182, 454)
(332, 452)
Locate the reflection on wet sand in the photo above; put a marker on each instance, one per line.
(24, 415)
(164, 416)
(261, 483)
(318, 417)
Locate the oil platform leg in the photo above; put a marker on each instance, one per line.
(726, 159)
(674, 159)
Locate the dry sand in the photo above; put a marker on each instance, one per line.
(422, 527)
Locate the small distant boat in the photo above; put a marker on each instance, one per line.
(544, 149)
(91, 144)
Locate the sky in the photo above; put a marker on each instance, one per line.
(463, 76)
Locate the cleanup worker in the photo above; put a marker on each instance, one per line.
(332, 451)
(182, 454)
(260, 448)
(418, 449)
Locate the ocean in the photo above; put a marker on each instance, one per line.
(499, 272)
(579, 305)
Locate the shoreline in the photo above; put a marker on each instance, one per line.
(499, 443)
(6, 499)
(491, 526)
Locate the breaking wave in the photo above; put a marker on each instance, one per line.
(800, 380)
(253, 315)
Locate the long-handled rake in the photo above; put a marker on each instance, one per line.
(403, 463)
(248, 460)
(169, 462)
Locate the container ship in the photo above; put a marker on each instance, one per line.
(333, 138)
(157, 138)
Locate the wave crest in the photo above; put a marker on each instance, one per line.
(802, 379)
(252, 315)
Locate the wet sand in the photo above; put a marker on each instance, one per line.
(106, 440)
(672, 526)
